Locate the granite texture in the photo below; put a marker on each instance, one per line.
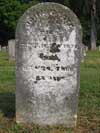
(48, 50)
(11, 49)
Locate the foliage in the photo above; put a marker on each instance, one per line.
(11, 10)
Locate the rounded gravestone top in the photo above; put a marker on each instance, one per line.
(49, 18)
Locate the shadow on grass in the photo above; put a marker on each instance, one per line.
(7, 104)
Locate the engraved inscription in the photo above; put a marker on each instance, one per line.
(51, 57)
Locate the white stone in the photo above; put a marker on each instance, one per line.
(4, 48)
(11, 49)
(48, 50)
(99, 48)
(0, 47)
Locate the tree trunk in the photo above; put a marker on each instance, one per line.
(93, 26)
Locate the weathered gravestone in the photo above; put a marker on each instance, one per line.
(83, 52)
(11, 49)
(0, 47)
(86, 48)
(4, 48)
(48, 43)
(99, 48)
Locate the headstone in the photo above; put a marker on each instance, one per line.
(0, 47)
(83, 52)
(86, 48)
(48, 46)
(11, 49)
(99, 48)
(4, 48)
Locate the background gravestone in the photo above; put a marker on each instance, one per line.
(11, 49)
(0, 47)
(99, 48)
(48, 52)
(86, 48)
(83, 52)
(4, 48)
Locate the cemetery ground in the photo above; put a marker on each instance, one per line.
(89, 99)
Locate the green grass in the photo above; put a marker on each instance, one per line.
(89, 99)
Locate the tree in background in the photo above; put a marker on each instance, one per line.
(93, 25)
(11, 10)
(86, 11)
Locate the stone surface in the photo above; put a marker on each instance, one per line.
(11, 49)
(83, 52)
(48, 50)
(0, 47)
(99, 48)
(86, 48)
(4, 48)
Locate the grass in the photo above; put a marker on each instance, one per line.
(89, 99)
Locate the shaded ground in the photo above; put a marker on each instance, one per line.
(89, 99)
